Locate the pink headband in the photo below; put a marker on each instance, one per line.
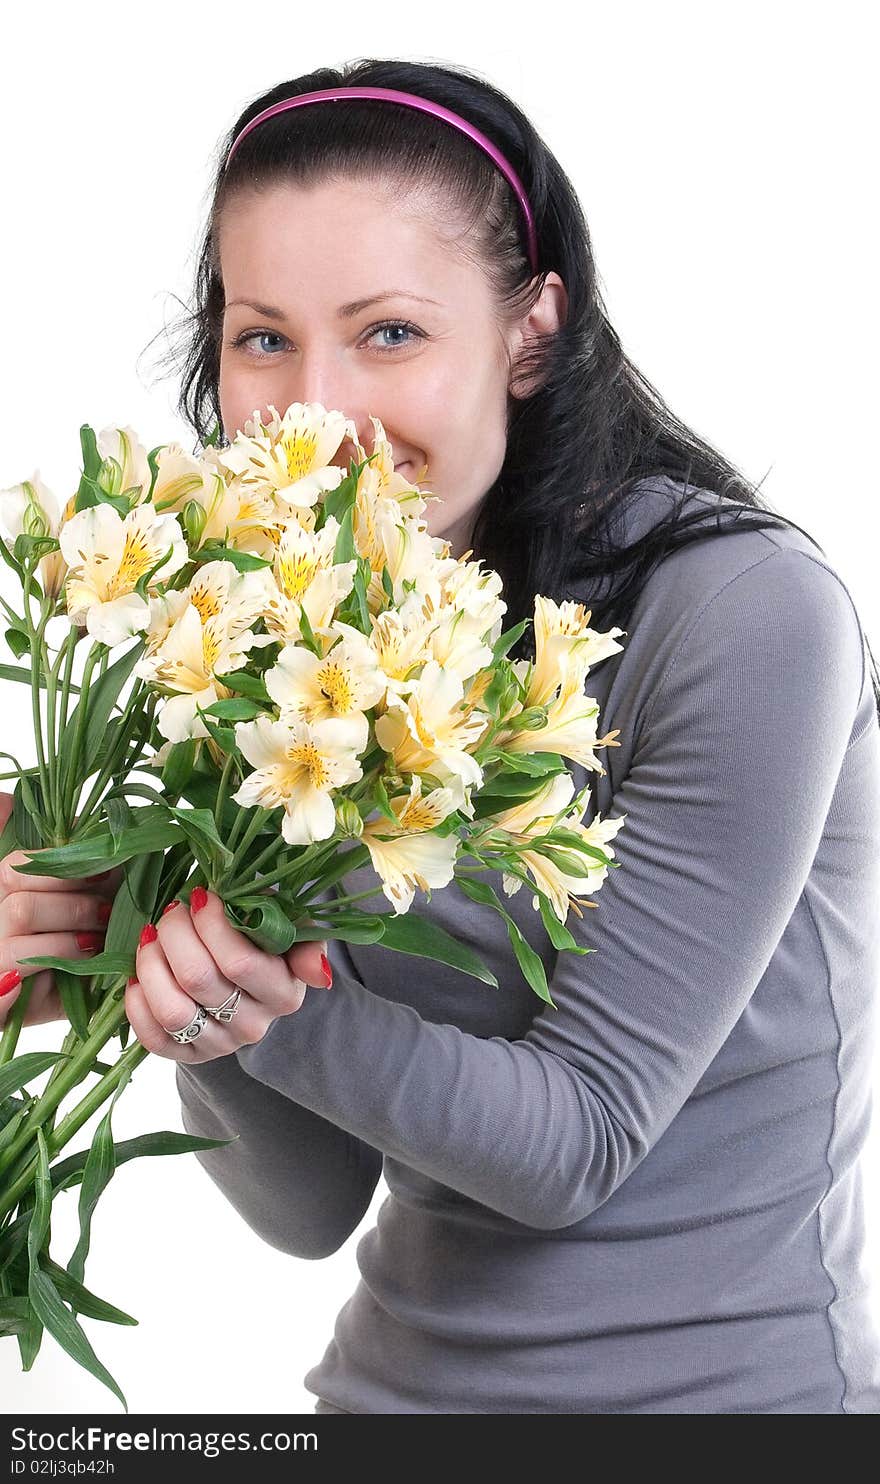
(413, 101)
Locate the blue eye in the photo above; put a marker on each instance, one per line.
(412, 332)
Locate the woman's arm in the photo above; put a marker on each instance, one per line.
(726, 801)
(301, 1183)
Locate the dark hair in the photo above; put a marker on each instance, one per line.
(591, 429)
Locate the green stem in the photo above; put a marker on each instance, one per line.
(128, 723)
(12, 1028)
(72, 1123)
(328, 908)
(70, 788)
(260, 815)
(308, 863)
(106, 1022)
(221, 792)
(267, 854)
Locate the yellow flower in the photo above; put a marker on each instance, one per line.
(565, 648)
(536, 817)
(195, 634)
(346, 682)
(570, 731)
(107, 555)
(433, 731)
(408, 856)
(306, 576)
(297, 765)
(288, 458)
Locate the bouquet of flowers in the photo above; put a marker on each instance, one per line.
(306, 682)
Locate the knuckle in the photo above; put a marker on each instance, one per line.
(238, 967)
(195, 976)
(18, 913)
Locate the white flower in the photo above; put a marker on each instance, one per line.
(409, 856)
(306, 577)
(107, 555)
(289, 457)
(346, 682)
(433, 731)
(196, 634)
(297, 765)
(566, 648)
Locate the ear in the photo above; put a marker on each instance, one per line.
(545, 318)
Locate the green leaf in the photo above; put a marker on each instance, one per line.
(19, 642)
(244, 561)
(201, 831)
(67, 1330)
(27, 814)
(233, 708)
(81, 1299)
(247, 684)
(98, 852)
(97, 963)
(119, 817)
(178, 766)
(223, 736)
(344, 550)
(16, 1074)
(365, 927)
(273, 931)
(69, 1171)
(134, 903)
(538, 764)
(102, 696)
(506, 641)
(529, 961)
(99, 1169)
(23, 672)
(38, 1229)
(14, 1315)
(408, 933)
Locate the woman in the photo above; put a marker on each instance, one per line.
(648, 1198)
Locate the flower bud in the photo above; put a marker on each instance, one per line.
(194, 517)
(531, 720)
(348, 820)
(110, 476)
(34, 521)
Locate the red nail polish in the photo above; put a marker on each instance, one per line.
(10, 981)
(328, 972)
(132, 980)
(102, 876)
(149, 934)
(175, 903)
(89, 941)
(104, 911)
(198, 899)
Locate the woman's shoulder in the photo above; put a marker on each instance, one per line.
(778, 568)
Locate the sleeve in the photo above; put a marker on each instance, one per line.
(725, 801)
(299, 1182)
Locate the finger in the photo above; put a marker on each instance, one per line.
(45, 912)
(266, 977)
(191, 964)
(153, 1035)
(44, 1002)
(13, 880)
(13, 951)
(307, 961)
(173, 1006)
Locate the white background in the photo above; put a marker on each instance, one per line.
(723, 155)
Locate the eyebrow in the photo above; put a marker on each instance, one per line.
(345, 311)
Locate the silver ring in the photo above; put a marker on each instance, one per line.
(189, 1032)
(226, 1011)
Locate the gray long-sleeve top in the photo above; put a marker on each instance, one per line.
(648, 1199)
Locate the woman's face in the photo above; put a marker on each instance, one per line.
(430, 360)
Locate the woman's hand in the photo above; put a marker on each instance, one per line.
(46, 915)
(194, 956)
